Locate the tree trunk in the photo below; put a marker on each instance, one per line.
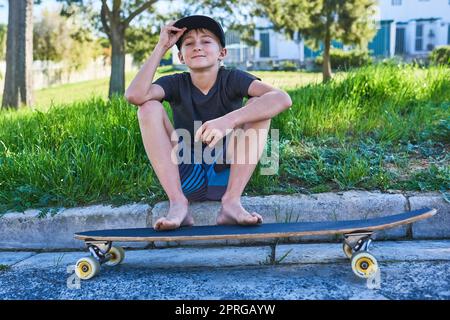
(117, 79)
(19, 55)
(326, 72)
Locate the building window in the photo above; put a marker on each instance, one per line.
(400, 40)
(232, 37)
(419, 37)
(264, 51)
(397, 2)
(448, 35)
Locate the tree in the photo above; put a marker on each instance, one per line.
(320, 21)
(59, 38)
(19, 54)
(115, 17)
(140, 41)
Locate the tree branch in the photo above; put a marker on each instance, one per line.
(138, 11)
(116, 9)
(105, 15)
(107, 10)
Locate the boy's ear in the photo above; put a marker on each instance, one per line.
(223, 54)
(180, 57)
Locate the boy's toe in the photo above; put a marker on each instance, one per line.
(257, 216)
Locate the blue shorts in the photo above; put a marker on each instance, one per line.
(202, 182)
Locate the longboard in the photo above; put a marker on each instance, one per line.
(357, 238)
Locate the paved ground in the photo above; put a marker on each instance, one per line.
(409, 270)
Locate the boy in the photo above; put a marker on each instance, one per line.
(210, 94)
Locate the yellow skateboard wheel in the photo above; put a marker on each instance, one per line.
(86, 268)
(117, 256)
(364, 265)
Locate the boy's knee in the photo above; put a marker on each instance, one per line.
(150, 109)
(256, 125)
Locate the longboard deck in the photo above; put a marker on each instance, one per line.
(265, 230)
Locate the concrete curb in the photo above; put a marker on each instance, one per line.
(28, 231)
(21, 231)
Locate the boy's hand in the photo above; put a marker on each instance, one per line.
(212, 131)
(169, 35)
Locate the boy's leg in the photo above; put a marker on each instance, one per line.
(156, 130)
(232, 211)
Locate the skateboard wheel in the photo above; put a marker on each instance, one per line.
(86, 268)
(117, 256)
(348, 251)
(364, 265)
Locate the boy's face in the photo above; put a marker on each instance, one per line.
(201, 49)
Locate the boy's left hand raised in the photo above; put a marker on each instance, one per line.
(212, 131)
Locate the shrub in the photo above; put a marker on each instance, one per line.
(288, 65)
(285, 65)
(341, 59)
(440, 56)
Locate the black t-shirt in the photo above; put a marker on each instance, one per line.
(189, 104)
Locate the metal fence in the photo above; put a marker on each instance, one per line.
(48, 73)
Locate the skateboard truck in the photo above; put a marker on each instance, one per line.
(356, 247)
(358, 240)
(102, 252)
(99, 250)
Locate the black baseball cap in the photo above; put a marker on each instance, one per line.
(198, 21)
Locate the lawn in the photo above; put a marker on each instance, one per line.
(380, 127)
(69, 93)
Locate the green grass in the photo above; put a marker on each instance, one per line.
(79, 91)
(380, 127)
(85, 153)
(289, 79)
(4, 268)
(368, 130)
(75, 92)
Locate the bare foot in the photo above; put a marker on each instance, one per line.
(178, 215)
(232, 212)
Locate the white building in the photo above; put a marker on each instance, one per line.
(415, 27)
(405, 27)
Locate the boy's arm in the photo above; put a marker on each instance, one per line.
(266, 104)
(141, 88)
